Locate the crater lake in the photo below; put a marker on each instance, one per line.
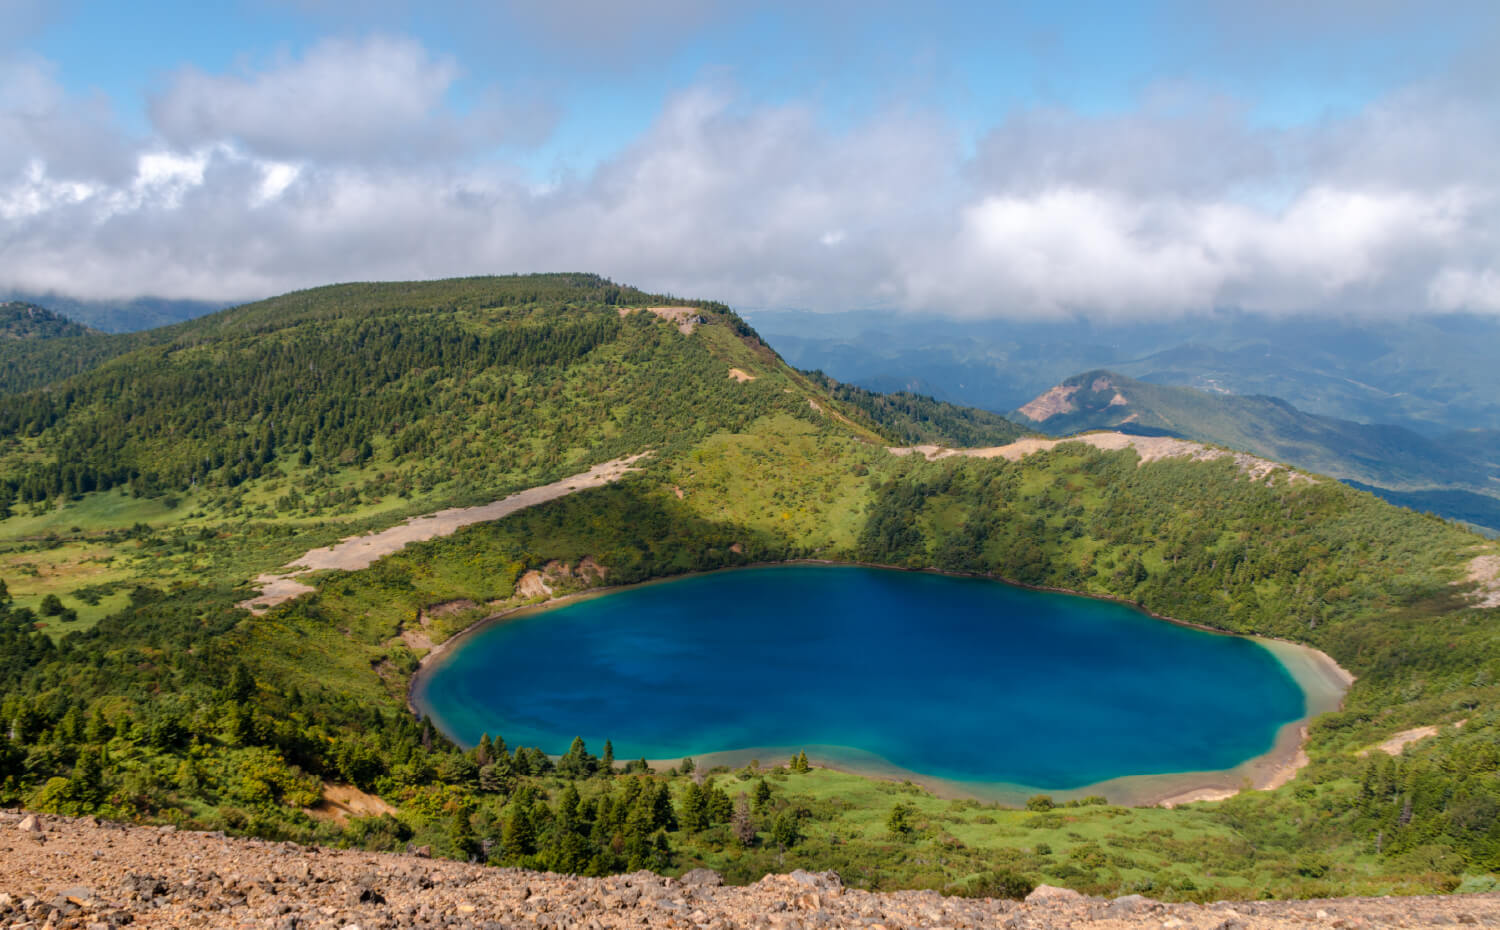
(962, 681)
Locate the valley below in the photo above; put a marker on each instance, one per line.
(147, 676)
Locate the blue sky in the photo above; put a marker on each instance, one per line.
(1024, 159)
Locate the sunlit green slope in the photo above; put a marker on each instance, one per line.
(233, 443)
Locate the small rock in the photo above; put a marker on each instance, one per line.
(1050, 894)
(1129, 904)
(829, 879)
(422, 852)
(365, 895)
(30, 824)
(701, 878)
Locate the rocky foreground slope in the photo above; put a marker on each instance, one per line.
(72, 873)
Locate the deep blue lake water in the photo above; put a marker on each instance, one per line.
(954, 678)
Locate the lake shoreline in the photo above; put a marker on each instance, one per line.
(1321, 679)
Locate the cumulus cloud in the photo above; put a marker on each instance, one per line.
(1185, 205)
(376, 99)
(76, 138)
(1072, 251)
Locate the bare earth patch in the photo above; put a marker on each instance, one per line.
(1149, 448)
(359, 552)
(741, 376)
(685, 318)
(416, 640)
(340, 802)
(1484, 574)
(532, 585)
(1056, 400)
(1397, 744)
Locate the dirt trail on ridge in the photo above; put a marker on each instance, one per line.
(357, 552)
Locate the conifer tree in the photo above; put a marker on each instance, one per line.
(762, 795)
(899, 821)
(518, 837)
(787, 829)
(461, 836)
(717, 805)
(694, 808)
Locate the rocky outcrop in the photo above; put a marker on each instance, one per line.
(82, 873)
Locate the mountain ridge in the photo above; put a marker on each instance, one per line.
(1390, 458)
(136, 688)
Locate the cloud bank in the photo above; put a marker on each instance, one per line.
(351, 162)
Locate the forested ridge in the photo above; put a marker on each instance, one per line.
(484, 378)
(234, 442)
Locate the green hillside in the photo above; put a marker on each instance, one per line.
(146, 493)
(19, 320)
(916, 419)
(1387, 457)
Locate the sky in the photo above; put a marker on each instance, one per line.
(1017, 160)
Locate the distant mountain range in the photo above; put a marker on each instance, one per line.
(22, 320)
(120, 316)
(1456, 475)
(1432, 375)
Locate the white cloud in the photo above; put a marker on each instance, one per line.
(328, 167)
(1466, 289)
(379, 99)
(76, 138)
(1069, 251)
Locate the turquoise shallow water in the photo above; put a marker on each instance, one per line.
(954, 678)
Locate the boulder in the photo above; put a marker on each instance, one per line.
(1051, 894)
(701, 878)
(30, 824)
(1128, 905)
(829, 879)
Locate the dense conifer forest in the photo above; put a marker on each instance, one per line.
(144, 491)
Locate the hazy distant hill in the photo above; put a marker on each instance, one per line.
(1429, 374)
(21, 320)
(39, 347)
(125, 315)
(1446, 471)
